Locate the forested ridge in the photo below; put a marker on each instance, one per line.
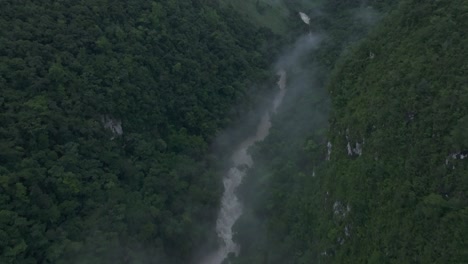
(107, 110)
(384, 179)
(407, 189)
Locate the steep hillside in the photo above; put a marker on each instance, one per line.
(399, 132)
(107, 109)
(388, 182)
(271, 14)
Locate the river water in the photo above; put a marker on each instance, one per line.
(231, 208)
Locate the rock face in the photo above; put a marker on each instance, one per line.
(113, 124)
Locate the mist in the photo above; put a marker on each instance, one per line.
(367, 15)
(291, 58)
(304, 109)
(295, 112)
(302, 117)
(288, 71)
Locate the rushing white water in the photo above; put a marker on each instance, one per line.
(305, 18)
(231, 208)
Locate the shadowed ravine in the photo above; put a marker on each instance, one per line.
(231, 208)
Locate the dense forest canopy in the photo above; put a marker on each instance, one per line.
(107, 110)
(272, 14)
(388, 182)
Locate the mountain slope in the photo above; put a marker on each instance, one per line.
(388, 184)
(403, 96)
(107, 109)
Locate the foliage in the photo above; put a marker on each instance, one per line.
(169, 72)
(400, 95)
(407, 191)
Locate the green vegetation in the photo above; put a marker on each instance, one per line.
(109, 109)
(71, 190)
(272, 14)
(410, 105)
(401, 96)
(262, 13)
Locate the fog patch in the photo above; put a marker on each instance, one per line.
(240, 160)
(366, 15)
(290, 60)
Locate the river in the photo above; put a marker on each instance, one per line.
(231, 208)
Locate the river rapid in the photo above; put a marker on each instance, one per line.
(231, 208)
